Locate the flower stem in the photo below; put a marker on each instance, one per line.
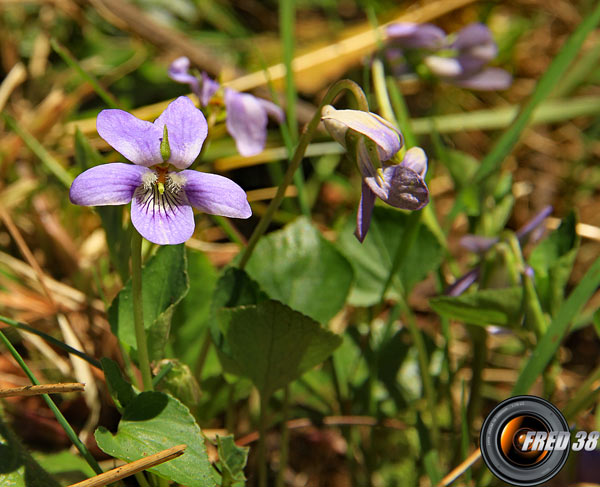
(285, 437)
(305, 139)
(262, 442)
(138, 313)
(59, 416)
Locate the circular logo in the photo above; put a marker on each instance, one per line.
(525, 440)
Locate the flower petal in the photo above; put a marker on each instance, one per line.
(138, 140)
(209, 88)
(416, 159)
(214, 194)
(164, 219)
(445, 67)
(179, 71)
(411, 35)
(273, 110)
(475, 34)
(187, 130)
(246, 122)
(486, 80)
(403, 188)
(364, 212)
(107, 184)
(387, 137)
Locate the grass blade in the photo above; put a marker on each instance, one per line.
(547, 346)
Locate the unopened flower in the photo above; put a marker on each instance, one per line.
(161, 197)
(399, 185)
(247, 115)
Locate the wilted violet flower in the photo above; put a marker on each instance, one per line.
(247, 115)
(161, 199)
(399, 185)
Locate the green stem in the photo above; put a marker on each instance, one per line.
(381, 94)
(206, 343)
(138, 314)
(479, 338)
(59, 416)
(262, 444)
(25, 327)
(297, 159)
(408, 240)
(285, 437)
(401, 112)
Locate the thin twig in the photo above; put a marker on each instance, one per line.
(462, 468)
(42, 389)
(132, 468)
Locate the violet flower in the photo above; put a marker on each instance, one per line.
(161, 198)
(247, 115)
(399, 185)
(461, 61)
(475, 47)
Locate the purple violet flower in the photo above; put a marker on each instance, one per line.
(399, 185)
(411, 35)
(247, 115)
(161, 199)
(475, 47)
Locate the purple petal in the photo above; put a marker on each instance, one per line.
(273, 110)
(416, 159)
(107, 184)
(387, 137)
(403, 188)
(187, 129)
(463, 283)
(475, 34)
(477, 243)
(534, 223)
(445, 67)
(364, 212)
(215, 194)
(246, 122)
(410, 35)
(137, 140)
(209, 88)
(487, 79)
(164, 219)
(179, 71)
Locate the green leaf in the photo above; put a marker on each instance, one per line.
(552, 261)
(271, 344)
(298, 267)
(68, 468)
(232, 460)
(236, 288)
(117, 237)
(152, 422)
(549, 343)
(190, 320)
(502, 307)
(372, 260)
(120, 390)
(17, 467)
(165, 283)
